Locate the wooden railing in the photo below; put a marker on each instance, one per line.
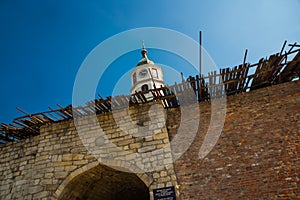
(278, 68)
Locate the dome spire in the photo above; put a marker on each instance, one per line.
(145, 59)
(144, 50)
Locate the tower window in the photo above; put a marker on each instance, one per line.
(145, 88)
(154, 73)
(134, 78)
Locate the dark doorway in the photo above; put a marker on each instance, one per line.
(104, 183)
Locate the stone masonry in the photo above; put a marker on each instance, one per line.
(41, 167)
(256, 156)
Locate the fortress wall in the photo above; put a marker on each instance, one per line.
(256, 156)
(258, 153)
(42, 166)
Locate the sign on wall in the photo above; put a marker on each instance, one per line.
(167, 193)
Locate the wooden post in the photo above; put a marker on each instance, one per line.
(245, 57)
(283, 46)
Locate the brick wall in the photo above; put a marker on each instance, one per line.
(258, 153)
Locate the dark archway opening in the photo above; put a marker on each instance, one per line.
(104, 183)
(145, 88)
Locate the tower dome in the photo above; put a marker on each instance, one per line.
(145, 59)
(146, 75)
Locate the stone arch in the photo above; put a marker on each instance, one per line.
(81, 184)
(125, 166)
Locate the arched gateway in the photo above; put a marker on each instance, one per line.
(95, 181)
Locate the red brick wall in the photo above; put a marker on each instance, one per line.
(257, 154)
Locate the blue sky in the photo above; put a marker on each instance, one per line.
(43, 43)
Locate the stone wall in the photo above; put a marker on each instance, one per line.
(256, 156)
(42, 167)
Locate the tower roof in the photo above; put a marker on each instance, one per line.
(145, 59)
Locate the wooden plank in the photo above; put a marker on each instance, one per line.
(5, 138)
(291, 69)
(199, 88)
(65, 111)
(242, 80)
(26, 124)
(30, 116)
(106, 103)
(283, 47)
(58, 113)
(100, 106)
(9, 131)
(124, 100)
(77, 112)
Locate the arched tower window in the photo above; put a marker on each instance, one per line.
(145, 88)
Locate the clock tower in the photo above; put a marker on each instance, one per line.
(146, 75)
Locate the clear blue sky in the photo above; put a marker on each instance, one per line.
(43, 43)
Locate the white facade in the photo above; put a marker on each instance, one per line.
(146, 75)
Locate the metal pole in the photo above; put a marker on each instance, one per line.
(200, 53)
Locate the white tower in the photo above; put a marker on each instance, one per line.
(146, 75)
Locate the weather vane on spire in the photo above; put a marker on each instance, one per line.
(144, 50)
